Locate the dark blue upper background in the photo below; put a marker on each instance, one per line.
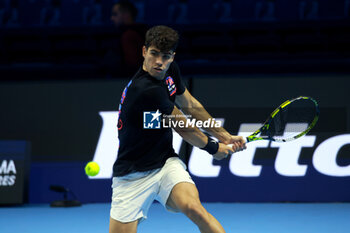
(19, 13)
(73, 39)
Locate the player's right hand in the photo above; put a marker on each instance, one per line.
(226, 150)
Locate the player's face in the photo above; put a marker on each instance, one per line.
(157, 63)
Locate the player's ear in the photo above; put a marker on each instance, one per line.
(172, 57)
(144, 51)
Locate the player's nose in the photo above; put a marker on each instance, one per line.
(159, 61)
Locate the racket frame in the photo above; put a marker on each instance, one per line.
(266, 125)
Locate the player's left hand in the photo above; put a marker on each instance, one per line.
(238, 143)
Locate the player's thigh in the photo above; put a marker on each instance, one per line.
(119, 227)
(182, 195)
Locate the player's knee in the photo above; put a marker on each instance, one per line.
(119, 227)
(195, 211)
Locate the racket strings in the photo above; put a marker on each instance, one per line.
(292, 120)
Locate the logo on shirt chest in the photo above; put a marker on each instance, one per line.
(171, 85)
(151, 120)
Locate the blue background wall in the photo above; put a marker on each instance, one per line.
(65, 126)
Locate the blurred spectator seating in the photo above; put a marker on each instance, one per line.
(140, 5)
(69, 13)
(9, 13)
(92, 13)
(217, 33)
(50, 14)
(178, 11)
(265, 10)
(308, 9)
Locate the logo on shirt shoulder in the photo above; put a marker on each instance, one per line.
(171, 85)
(151, 120)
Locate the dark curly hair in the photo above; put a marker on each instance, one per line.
(163, 38)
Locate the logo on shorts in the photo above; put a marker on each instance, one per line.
(151, 120)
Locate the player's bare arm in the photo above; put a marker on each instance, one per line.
(191, 106)
(196, 138)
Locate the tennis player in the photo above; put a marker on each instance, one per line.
(147, 167)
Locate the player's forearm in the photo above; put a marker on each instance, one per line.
(190, 134)
(193, 136)
(198, 112)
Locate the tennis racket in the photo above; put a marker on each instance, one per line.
(291, 120)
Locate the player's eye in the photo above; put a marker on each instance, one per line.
(166, 57)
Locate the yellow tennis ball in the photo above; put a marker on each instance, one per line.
(92, 169)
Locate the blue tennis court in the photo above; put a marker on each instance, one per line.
(235, 217)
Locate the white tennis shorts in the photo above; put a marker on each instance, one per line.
(134, 193)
